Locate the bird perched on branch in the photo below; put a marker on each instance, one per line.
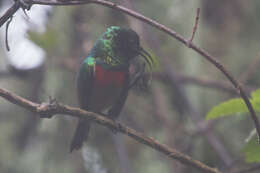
(104, 79)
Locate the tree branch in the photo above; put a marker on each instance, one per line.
(9, 13)
(194, 28)
(47, 110)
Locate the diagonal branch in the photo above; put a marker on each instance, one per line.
(9, 13)
(194, 28)
(47, 110)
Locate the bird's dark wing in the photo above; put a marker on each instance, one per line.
(117, 107)
(85, 80)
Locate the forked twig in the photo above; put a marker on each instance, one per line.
(194, 28)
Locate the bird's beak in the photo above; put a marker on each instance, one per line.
(147, 57)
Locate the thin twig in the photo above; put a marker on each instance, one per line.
(6, 33)
(194, 27)
(48, 110)
(9, 13)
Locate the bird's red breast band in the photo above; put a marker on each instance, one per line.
(107, 77)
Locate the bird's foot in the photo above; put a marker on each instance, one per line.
(109, 115)
(53, 101)
(115, 130)
(47, 110)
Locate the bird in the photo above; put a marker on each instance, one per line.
(103, 79)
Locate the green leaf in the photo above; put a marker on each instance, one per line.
(256, 94)
(234, 106)
(256, 103)
(252, 151)
(229, 107)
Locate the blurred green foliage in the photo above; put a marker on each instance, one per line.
(251, 150)
(230, 107)
(234, 106)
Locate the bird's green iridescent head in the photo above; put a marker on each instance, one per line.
(121, 45)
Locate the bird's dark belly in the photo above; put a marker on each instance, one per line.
(107, 88)
(103, 98)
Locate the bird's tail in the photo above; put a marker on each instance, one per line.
(80, 135)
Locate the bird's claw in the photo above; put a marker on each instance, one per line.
(53, 101)
(46, 109)
(111, 114)
(115, 130)
(44, 106)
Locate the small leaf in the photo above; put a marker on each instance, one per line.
(256, 94)
(256, 100)
(229, 107)
(256, 103)
(252, 151)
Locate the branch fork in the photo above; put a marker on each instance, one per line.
(188, 43)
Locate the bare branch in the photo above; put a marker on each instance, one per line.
(9, 13)
(194, 28)
(50, 109)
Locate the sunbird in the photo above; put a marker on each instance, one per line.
(104, 75)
